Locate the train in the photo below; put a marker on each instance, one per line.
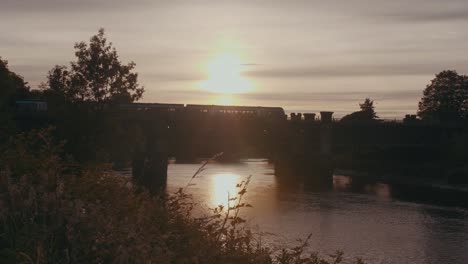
(36, 106)
(210, 110)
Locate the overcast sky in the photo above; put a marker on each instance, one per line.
(303, 55)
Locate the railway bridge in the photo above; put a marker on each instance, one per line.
(307, 147)
(301, 146)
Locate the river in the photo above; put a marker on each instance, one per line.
(374, 221)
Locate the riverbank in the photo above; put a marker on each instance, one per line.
(433, 190)
(396, 179)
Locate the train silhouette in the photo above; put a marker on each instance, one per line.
(210, 110)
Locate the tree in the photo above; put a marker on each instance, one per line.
(367, 112)
(97, 75)
(445, 98)
(12, 87)
(368, 108)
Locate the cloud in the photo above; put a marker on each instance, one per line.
(69, 5)
(301, 97)
(300, 45)
(399, 11)
(250, 64)
(327, 71)
(302, 102)
(173, 76)
(344, 96)
(427, 16)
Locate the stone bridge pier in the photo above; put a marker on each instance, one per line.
(308, 158)
(150, 158)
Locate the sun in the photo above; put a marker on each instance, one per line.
(225, 75)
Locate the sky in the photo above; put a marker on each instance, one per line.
(302, 55)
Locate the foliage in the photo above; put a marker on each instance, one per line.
(445, 98)
(53, 211)
(368, 107)
(97, 75)
(81, 101)
(12, 86)
(367, 112)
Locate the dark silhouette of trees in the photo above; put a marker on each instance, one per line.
(97, 75)
(12, 87)
(367, 112)
(79, 96)
(445, 98)
(368, 108)
(58, 84)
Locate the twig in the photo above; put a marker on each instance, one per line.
(202, 168)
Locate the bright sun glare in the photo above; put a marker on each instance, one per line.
(225, 75)
(224, 184)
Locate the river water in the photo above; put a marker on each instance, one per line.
(374, 221)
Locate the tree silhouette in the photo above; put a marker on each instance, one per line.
(368, 108)
(97, 75)
(58, 84)
(12, 87)
(445, 98)
(367, 112)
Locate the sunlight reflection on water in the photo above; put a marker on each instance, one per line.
(222, 185)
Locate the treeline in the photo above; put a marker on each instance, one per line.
(445, 100)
